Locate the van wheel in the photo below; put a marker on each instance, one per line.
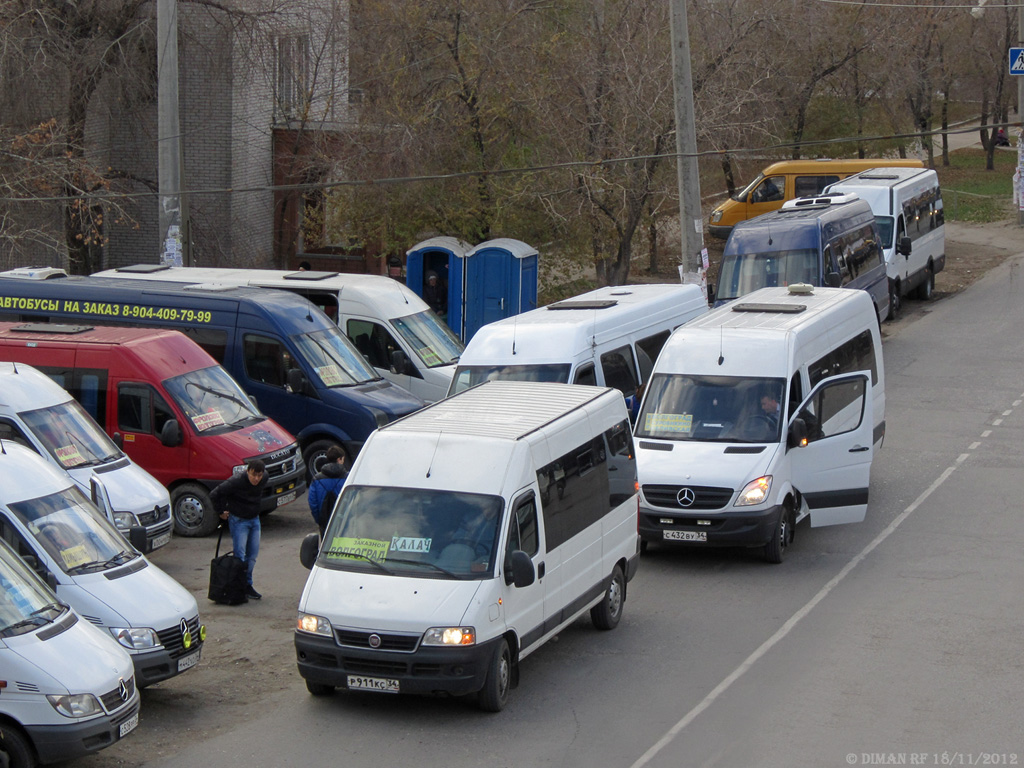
(782, 537)
(319, 689)
(607, 613)
(894, 300)
(15, 751)
(927, 288)
(193, 511)
(315, 456)
(494, 695)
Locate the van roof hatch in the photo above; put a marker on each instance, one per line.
(310, 275)
(785, 309)
(584, 304)
(819, 200)
(50, 328)
(144, 269)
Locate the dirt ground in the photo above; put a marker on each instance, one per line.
(249, 659)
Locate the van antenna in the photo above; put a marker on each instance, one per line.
(515, 327)
(721, 345)
(430, 466)
(769, 225)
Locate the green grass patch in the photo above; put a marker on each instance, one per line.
(970, 192)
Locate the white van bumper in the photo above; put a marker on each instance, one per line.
(63, 742)
(718, 529)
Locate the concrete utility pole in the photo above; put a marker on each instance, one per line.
(691, 224)
(174, 241)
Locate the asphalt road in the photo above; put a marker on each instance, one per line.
(896, 639)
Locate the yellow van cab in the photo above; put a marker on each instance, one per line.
(786, 180)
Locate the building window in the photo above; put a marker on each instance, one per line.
(292, 70)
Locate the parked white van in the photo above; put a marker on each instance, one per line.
(609, 337)
(467, 535)
(58, 531)
(66, 690)
(907, 204)
(36, 412)
(764, 412)
(390, 325)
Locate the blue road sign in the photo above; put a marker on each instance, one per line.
(1017, 61)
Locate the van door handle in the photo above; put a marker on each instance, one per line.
(859, 449)
(540, 571)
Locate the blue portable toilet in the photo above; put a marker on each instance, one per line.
(498, 279)
(436, 256)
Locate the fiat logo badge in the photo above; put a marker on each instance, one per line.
(686, 497)
(374, 641)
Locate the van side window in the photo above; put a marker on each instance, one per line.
(618, 370)
(522, 532)
(140, 409)
(836, 409)
(923, 213)
(621, 462)
(796, 394)
(586, 374)
(373, 341)
(861, 251)
(806, 186)
(10, 534)
(651, 347)
(214, 342)
(266, 360)
(857, 354)
(573, 495)
(770, 190)
(11, 432)
(87, 385)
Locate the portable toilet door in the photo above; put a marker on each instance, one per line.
(499, 280)
(438, 255)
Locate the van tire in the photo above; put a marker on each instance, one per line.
(15, 751)
(494, 695)
(782, 537)
(927, 288)
(192, 510)
(608, 612)
(315, 454)
(319, 689)
(894, 300)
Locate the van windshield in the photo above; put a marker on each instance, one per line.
(433, 340)
(724, 409)
(25, 605)
(885, 227)
(73, 533)
(334, 359)
(467, 376)
(742, 273)
(212, 401)
(741, 196)
(70, 435)
(413, 532)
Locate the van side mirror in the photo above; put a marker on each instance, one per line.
(400, 364)
(118, 439)
(309, 549)
(137, 538)
(711, 294)
(519, 570)
(170, 433)
(296, 381)
(797, 436)
(833, 280)
(904, 246)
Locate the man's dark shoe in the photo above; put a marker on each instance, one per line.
(252, 594)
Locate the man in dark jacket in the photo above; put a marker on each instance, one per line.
(237, 500)
(326, 486)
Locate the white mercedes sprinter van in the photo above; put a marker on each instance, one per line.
(609, 337)
(466, 536)
(764, 412)
(58, 531)
(37, 413)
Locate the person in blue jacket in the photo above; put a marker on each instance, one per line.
(326, 487)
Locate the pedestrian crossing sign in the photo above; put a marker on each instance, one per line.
(1017, 61)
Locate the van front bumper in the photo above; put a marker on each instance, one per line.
(456, 671)
(54, 743)
(173, 658)
(731, 529)
(722, 233)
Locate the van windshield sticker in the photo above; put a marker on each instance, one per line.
(410, 544)
(430, 357)
(73, 556)
(329, 375)
(69, 456)
(209, 420)
(341, 546)
(102, 309)
(668, 422)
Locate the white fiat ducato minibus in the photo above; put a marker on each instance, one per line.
(66, 690)
(466, 536)
(58, 531)
(764, 412)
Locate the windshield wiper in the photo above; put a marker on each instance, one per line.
(436, 567)
(117, 559)
(35, 621)
(347, 553)
(94, 565)
(59, 607)
(242, 405)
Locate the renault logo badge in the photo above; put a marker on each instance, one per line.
(686, 497)
(122, 690)
(186, 636)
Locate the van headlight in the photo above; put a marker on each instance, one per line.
(135, 638)
(716, 216)
(125, 521)
(755, 492)
(313, 625)
(75, 704)
(450, 636)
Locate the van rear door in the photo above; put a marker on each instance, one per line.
(833, 470)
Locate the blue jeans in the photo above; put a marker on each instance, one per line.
(245, 541)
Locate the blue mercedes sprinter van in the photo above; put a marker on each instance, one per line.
(825, 240)
(301, 370)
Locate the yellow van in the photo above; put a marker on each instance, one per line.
(786, 180)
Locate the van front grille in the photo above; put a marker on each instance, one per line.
(704, 497)
(171, 638)
(112, 700)
(283, 462)
(155, 515)
(387, 642)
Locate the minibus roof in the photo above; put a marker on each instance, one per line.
(24, 474)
